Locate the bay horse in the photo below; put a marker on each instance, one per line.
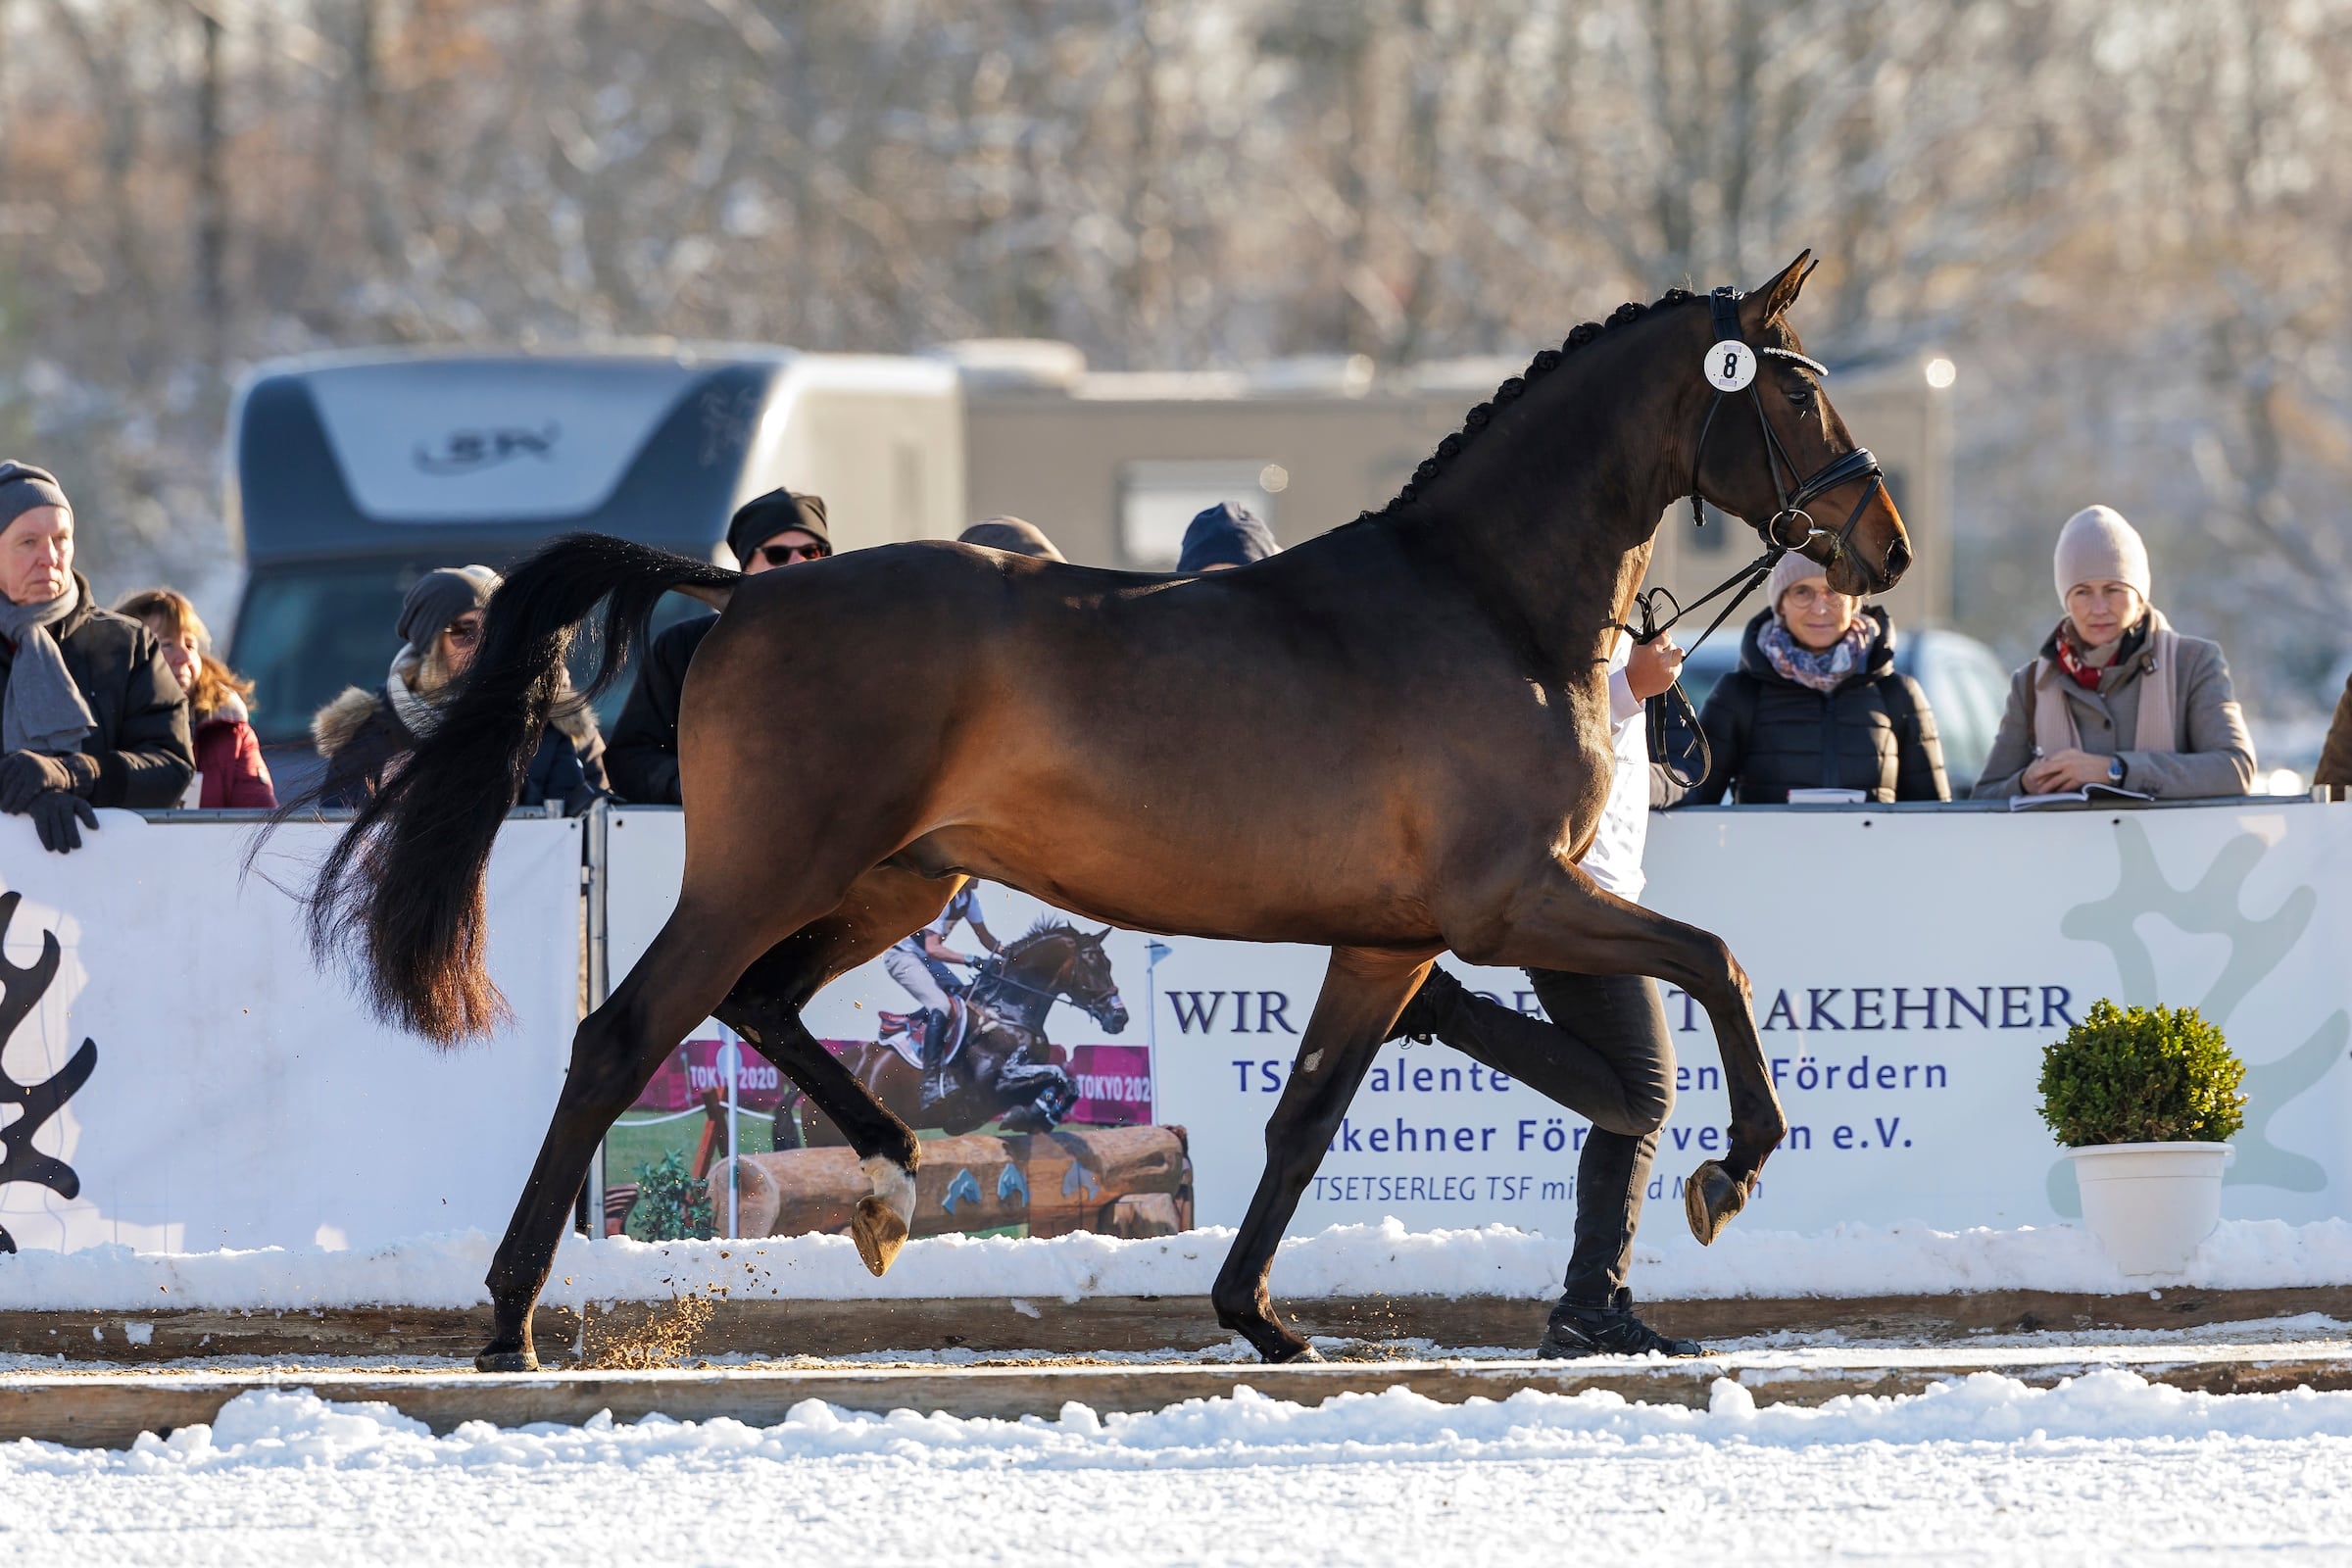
(1389, 740)
(1005, 1070)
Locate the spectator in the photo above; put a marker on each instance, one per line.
(229, 772)
(2335, 771)
(1816, 704)
(2117, 696)
(1013, 536)
(89, 714)
(1223, 537)
(776, 529)
(364, 734)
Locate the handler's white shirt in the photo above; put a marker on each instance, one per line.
(1615, 858)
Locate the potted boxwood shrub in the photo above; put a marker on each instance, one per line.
(2143, 1100)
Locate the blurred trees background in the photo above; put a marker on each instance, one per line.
(2125, 219)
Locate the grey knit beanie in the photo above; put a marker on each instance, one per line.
(441, 597)
(1013, 536)
(23, 487)
(2097, 544)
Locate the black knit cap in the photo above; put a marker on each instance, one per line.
(440, 597)
(762, 517)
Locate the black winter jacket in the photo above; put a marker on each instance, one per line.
(360, 734)
(141, 737)
(1768, 735)
(641, 757)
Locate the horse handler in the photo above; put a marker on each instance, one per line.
(1604, 1053)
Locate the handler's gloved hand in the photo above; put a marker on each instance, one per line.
(53, 816)
(24, 775)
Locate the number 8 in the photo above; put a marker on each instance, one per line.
(1731, 364)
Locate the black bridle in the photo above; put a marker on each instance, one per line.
(1792, 525)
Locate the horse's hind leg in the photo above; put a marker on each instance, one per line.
(1362, 993)
(673, 987)
(765, 1008)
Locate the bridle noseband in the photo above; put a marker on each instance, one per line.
(1792, 525)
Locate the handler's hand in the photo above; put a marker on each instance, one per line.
(2069, 769)
(53, 816)
(1651, 666)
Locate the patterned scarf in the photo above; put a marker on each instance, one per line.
(2083, 665)
(1820, 671)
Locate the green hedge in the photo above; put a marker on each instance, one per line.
(2142, 1075)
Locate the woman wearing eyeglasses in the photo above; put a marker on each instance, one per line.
(365, 734)
(777, 529)
(1816, 704)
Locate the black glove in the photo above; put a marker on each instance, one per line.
(23, 776)
(53, 815)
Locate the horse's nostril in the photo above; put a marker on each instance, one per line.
(1899, 558)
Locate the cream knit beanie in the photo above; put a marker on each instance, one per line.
(2097, 544)
(1791, 569)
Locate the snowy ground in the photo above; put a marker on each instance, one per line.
(2104, 1469)
(446, 1271)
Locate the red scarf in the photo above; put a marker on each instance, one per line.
(2083, 676)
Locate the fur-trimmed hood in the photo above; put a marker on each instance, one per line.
(340, 721)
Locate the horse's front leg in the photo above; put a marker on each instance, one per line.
(1559, 918)
(1362, 993)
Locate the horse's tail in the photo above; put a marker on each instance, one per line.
(402, 891)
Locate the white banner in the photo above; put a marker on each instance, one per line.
(1908, 968)
(234, 1095)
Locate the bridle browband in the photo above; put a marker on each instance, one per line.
(1792, 525)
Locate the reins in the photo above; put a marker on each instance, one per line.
(1731, 367)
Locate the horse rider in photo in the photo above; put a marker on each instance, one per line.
(777, 529)
(924, 965)
(1602, 1049)
(90, 714)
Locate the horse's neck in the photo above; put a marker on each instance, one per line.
(1555, 508)
(1024, 998)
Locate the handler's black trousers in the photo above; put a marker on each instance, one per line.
(1604, 1053)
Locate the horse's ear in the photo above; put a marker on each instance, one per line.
(1099, 935)
(1780, 293)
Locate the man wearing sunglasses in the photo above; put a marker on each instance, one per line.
(776, 529)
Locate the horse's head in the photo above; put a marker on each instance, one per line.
(1774, 452)
(1069, 965)
(1088, 984)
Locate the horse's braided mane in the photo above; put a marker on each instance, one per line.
(1048, 925)
(1544, 364)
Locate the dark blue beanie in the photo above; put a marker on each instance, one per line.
(1225, 535)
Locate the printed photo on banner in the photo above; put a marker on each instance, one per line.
(994, 1032)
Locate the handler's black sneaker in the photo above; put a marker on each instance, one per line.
(1579, 1328)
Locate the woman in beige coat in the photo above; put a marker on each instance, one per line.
(2118, 696)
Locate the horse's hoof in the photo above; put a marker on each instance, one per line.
(879, 1234)
(505, 1361)
(1711, 1197)
(884, 1215)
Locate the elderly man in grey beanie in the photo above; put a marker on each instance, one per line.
(365, 734)
(90, 714)
(2116, 698)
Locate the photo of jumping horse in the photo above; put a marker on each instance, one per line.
(1001, 1068)
(1392, 740)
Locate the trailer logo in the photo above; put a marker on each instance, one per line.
(21, 988)
(470, 451)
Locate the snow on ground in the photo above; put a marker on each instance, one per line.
(446, 1271)
(2106, 1468)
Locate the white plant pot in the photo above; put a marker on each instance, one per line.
(2150, 1204)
